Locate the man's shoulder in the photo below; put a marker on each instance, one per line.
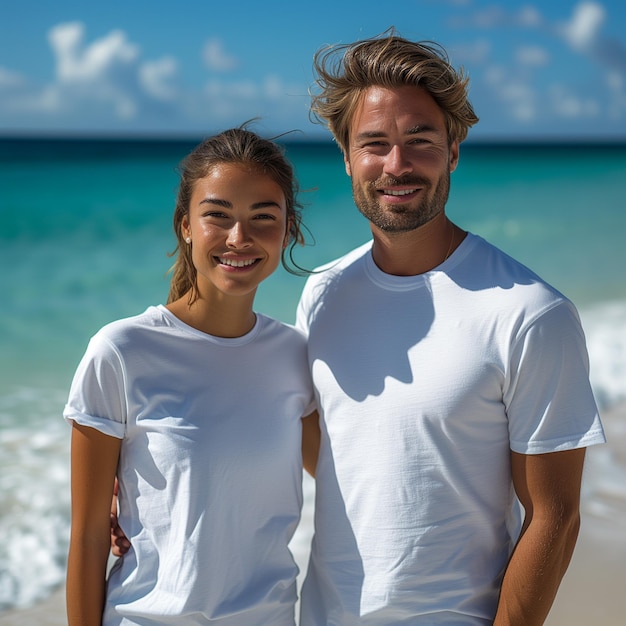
(340, 265)
(324, 280)
(347, 259)
(504, 270)
(508, 285)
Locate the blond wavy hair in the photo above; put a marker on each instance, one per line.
(345, 72)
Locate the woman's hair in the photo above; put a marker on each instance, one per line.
(344, 72)
(239, 146)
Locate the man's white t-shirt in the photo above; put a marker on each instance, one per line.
(210, 471)
(425, 383)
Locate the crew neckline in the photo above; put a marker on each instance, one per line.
(225, 341)
(392, 282)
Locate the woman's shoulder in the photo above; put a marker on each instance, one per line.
(280, 330)
(123, 330)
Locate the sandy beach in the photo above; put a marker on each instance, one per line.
(592, 591)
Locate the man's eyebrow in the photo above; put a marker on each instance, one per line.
(370, 134)
(421, 128)
(414, 130)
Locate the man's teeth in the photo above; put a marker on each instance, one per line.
(398, 192)
(237, 263)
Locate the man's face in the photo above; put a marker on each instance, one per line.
(399, 158)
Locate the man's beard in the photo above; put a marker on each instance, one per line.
(402, 217)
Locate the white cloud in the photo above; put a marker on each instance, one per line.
(496, 16)
(534, 56)
(516, 85)
(106, 83)
(571, 105)
(216, 58)
(273, 88)
(103, 73)
(10, 79)
(76, 62)
(490, 17)
(475, 53)
(582, 30)
(516, 93)
(617, 103)
(155, 76)
(267, 89)
(529, 16)
(106, 77)
(233, 102)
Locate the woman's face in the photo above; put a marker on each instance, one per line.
(237, 224)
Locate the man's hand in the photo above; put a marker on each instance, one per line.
(119, 542)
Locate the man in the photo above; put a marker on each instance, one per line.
(452, 382)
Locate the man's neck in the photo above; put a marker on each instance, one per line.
(417, 251)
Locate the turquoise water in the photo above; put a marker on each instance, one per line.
(85, 234)
(85, 228)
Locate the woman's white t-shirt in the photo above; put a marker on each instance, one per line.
(210, 471)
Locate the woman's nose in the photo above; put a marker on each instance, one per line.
(238, 236)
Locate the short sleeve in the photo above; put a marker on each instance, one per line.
(548, 396)
(97, 396)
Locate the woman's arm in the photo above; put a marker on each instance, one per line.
(94, 464)
(310, 442)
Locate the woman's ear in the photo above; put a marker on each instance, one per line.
(185, 228)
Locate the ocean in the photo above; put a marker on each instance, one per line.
(85, 228)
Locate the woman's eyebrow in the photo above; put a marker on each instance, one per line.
(223, 203)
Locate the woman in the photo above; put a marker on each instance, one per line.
(196, 407)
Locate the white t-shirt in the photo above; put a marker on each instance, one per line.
(425, 383)
(210, 471)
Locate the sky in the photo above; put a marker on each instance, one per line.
(538, 70)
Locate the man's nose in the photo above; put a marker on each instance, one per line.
(397, 162)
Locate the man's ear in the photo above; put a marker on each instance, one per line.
(454, 155)
(347, 164)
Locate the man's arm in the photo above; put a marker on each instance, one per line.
(548, 486)
(119, 542)
(310, 442)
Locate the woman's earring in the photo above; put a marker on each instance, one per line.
(188, 240)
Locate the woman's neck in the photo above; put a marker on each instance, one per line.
(220, 317)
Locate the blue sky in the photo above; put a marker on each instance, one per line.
(552, 69)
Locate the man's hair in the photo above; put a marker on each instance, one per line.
(345, 72)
